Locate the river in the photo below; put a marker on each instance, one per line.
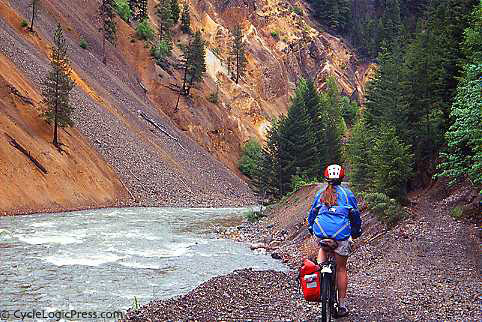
(100, 260)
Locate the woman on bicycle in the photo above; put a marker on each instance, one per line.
(334, 215)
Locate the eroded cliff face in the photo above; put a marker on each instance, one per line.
(121, 157)
(282, 46)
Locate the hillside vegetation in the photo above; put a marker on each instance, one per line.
(420, 121)
(156, 163)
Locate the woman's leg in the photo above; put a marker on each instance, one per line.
(321, 256)
(341, 277)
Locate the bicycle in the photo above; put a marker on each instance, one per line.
(329, 291)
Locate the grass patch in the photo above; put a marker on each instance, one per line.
(24, 23)
(213, 98)
(135, 304)
(297, 10)
(161, 51)
(253, 216)
(275, 34)
(83, 44)
(457, 213)
(144, 30)
(123, 9)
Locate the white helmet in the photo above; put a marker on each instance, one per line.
(334, 172)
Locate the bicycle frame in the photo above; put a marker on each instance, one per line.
(328, 292)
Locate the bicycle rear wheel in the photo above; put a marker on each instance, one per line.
(326, 298)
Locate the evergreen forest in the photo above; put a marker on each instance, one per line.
(422, 115)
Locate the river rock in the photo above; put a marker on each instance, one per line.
(257, 246)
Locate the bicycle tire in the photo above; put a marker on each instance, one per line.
(326, 298)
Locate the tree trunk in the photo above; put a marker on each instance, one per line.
(34, 9)
(182, 90)
(237, 67)
(55, 141)
(177, 104)
(104, 59)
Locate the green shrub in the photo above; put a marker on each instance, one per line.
(297, 10)
(144, 30)
(299, 181)
(250, 157)
(83, 44)
(213, 98)
(463, 156)
(135, 304)
(253, 216)
(349, 110)
(391, 163)
(123, 9)
(385, 209)
(24, 23)
(275, 34)
(457, 213)
(161, 51)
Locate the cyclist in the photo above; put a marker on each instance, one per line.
(334, 214)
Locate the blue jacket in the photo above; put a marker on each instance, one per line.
(335, 222)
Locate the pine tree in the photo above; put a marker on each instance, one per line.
(472, 45)
(57, 86)
(186, 19)
(143, 7)
(251, 155)
(332, 120)
(238, 54)
(35, 6)
(391, 163)
(175, 11)
(384, 95)
(194, 65)
(267, 175)
(358, 155)
(298, 155)
(463, 157)
(109, 26)
(197, 61)
(313, 107)
(424, 78)
(333, 13)
(165, 20)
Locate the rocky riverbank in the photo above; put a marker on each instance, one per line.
(242, 295)
(426, 268)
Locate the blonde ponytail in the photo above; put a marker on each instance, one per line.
(329, 197)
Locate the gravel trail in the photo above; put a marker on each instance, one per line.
(427, 268)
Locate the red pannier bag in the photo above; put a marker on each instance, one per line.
(310, 281)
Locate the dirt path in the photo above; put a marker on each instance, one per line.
(425, 269)
(428, 268)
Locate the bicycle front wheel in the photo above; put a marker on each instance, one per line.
(326, 298)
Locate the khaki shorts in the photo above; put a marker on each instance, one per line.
(344, 246)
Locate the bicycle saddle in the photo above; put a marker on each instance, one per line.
(329, 243)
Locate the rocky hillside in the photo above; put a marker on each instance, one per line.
(144, 152)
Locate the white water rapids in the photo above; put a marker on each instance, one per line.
(99, 260)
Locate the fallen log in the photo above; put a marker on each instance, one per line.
(157, 126)
(16, 145)
(25, 99)
(172, 87)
